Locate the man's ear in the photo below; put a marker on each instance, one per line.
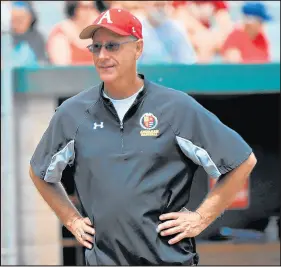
(139, 48)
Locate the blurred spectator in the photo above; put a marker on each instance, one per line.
(102, 5)
(248, 43)
(208, 24)
(64, 45)
(29, 44)
(165, 40)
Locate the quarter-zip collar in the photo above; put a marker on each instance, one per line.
(134, 106)
(138, 98)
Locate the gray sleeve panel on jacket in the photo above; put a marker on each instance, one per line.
(221, 147)
(199, 156)
(55, 149)
(59, 162)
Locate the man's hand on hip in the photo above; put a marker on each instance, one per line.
(183, 223)
(83, 230)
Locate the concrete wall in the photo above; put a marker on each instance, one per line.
(39, 228)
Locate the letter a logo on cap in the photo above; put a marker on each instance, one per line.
(106, 16)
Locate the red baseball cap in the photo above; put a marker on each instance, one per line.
(117, 20)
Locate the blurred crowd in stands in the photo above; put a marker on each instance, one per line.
(183, 32)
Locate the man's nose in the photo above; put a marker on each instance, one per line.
(103, 53)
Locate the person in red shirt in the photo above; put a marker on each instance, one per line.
(197, 17)
(247, 43)
(204, 11)
(63, 46)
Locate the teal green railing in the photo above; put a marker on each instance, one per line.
(196, 79)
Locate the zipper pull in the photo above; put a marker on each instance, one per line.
(121, 126)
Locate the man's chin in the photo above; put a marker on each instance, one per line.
(108, 77)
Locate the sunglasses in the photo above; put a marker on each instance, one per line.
(109, 46)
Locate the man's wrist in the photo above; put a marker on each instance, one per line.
(72, 220)
(204, 219)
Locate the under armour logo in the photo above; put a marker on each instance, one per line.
(96, 125)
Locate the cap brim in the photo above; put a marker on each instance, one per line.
(267, 17)
(88, 32)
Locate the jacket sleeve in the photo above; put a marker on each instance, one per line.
(208, 142)
(55, 150)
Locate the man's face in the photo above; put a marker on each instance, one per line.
(112, 65)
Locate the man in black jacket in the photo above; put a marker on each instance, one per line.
(135, 147)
